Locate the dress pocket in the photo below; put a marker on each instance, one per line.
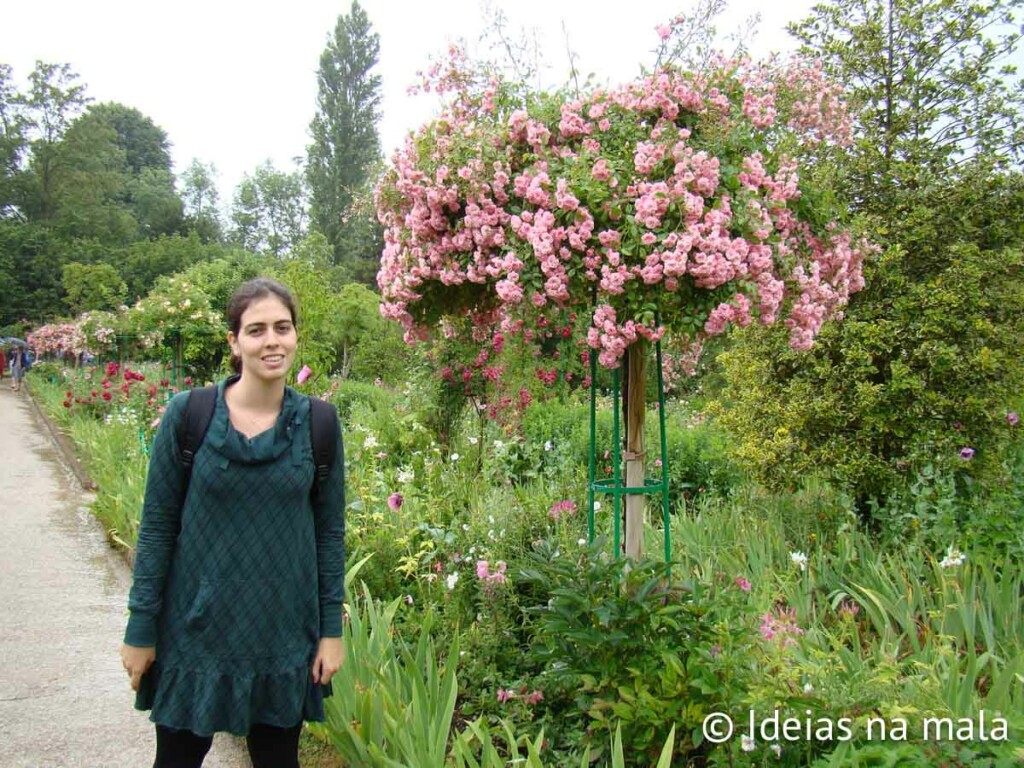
(246, 618)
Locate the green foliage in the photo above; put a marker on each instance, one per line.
(93, 286)
(346, 145)
(269, 211)
(392, 706)
(622, 640)
(915, 374)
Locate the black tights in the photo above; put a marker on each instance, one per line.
(269, 747)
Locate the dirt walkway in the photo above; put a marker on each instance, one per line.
(64, 698)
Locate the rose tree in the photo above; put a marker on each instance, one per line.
(683, 202)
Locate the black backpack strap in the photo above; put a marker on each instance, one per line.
(193, 425)
(323, 427)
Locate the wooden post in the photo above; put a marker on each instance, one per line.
(635, 453)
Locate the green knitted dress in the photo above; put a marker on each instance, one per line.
(236, 583)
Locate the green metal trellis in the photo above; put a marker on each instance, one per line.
(615, 485)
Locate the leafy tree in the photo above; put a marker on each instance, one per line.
(145, 144)
(935, 90)
(201, 199)
(269, 211)
(93, 287)
(30, 266)
(88, 186)
(54, 99)
(144, 261)
(345, 142)
(13, 141)
(925, 363)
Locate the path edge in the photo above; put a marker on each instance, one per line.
(62, 442)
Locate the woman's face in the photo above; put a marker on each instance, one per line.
(266, 339)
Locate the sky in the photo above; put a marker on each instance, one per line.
(235, 86)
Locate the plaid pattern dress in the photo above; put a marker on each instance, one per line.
(236, 582)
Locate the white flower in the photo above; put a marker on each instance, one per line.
(777, 749)
(808, 688)
(473, 441)
(455, 457)
(452, 580)
(597, 506)
(547, 445)
(465, 526)
(747, 742)
(799, 559)
(582, 542)
(490, 519)
(370, 442)
(405, 476)
(954, 557)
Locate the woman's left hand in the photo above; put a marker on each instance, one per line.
(329, 658)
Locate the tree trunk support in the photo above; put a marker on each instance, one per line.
(635, 485)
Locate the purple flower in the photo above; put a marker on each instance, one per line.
(966, 453)
(395, 501)
(304, 373)
(1012, 419)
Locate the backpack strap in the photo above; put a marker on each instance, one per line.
(323, 427)
(193, 425)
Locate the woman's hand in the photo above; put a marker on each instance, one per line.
(137, 661)
(329, 658)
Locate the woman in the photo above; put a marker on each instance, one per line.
(239, 571)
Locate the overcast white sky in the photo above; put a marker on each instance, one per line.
(235, 84)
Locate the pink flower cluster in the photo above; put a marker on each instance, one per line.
(559, 508)
(531, 699)
(644, 196)
(780, 627)
(486, 575)
(57, 338)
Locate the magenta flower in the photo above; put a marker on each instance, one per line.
(505, 694)
(304, 373)
(533, 698)
(560, 508)
(395, 501)
(966, 453)
(1012, 419)
(742, 583)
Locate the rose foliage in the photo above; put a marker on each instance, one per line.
(682, 202)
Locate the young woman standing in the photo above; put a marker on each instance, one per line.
(236, 605)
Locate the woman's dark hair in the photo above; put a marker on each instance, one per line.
(247, 293)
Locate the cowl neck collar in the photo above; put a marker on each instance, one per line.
(267, 445)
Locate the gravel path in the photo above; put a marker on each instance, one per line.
(64, 698)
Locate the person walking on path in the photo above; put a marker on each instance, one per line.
(17, 367)
(63, 589)
(236, 604)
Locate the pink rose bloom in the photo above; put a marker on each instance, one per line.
(304, 374)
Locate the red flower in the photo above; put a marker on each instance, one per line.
(106, 396)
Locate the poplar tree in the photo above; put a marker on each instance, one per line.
(345, 142)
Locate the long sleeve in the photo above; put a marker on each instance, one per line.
(329, 517)
(158, 533)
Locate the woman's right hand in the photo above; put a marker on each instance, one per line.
(136, 662)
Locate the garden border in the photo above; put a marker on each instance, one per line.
(63, 446)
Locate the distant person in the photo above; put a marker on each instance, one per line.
(3, 363)
(236, 604)
(18, 362)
